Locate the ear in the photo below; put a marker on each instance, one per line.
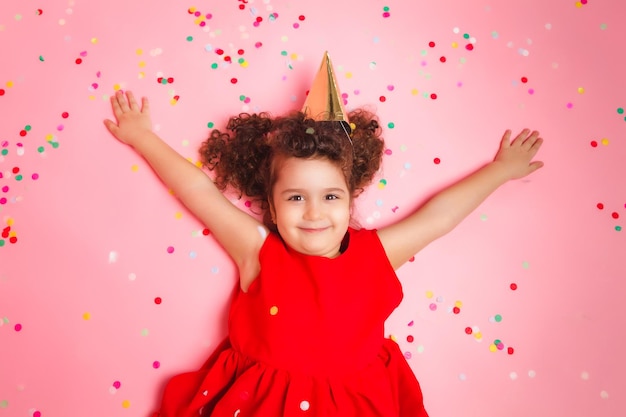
(272, 212)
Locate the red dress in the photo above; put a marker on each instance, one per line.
(307, 339)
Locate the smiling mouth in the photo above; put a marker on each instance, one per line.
(313, 229)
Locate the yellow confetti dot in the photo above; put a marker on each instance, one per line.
(455, 45)
(493, 348)
(198, 164)
(192, 9)
(178, 215)
(284, 38)
(94, 40)
(273, 310)
(142, 64)
(173, 101)
(458, 304)
(579, 4)
(393, 338)
(134, 168)
(86, 316)
(139, 51)
(91, 97)
(478, 335)
(10, 221)
(116, 87)
(605, 141)
(12, 233)
(581, 90)
(199, 20)
(126, 404)
(141, 75)
(348, 75)
(414, 92)
(429, 294)
(10, 84)
(245, 64)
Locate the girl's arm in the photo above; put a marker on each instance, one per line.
(240, 234)
(446, 209)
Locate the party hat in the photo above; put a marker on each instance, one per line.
(324, 102)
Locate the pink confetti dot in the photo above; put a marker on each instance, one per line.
(170, 249)
(18, 327)
(432, 307)
(531, 91)
(156, 364)
(35, 176)
(117, 384)
(37, 414)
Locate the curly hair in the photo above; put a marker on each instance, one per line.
(243, 157)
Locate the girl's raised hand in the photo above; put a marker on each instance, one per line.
(133, 121)
(517, 156)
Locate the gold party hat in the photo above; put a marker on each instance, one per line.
(324, 102)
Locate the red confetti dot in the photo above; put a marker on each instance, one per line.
(409, 339)
(23, 133)
(456, 310)
(301, 18)
(2, 91)
(600, 206)
(242, 6)
(433, 96)
(170, 80)
(442, 59)
(206, 232)
(160, 80)
(594, 144)
(240, 52)
(157, 300)
(15, 170)
(431, 44)
(412, 259)
(65, 115)
(382, 99)
(437, 161)
(79, 61)
(39, 12)
(469, 47)
(615, 215)
(258, 44)
(233, 81)
(513, 286)
(510, 350)
(259, 19)
(524, 80)
(13, 239)
(219, 51)
(468, 330)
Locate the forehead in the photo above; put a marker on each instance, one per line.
(301, 172)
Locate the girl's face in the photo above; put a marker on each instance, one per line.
(311, 205)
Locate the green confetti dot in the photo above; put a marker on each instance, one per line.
(163, 81)
(383, 181)
(41, 149)
(386, 8)
(189, 38)
(497, 342)
(283, 53)
(1, 243)
(620, 110)
(603, 26)
(210, 125)
(144, 332)
(483, 217)
(242, 97)
(525, 265)
(498, 318)
(55, 145)
(27, 128)
(241, 60)
(5, 152)
(214, 65)
(466, 35)
(618, 228)
(41, 58)
(19, 177)
(4, 404)
(391, 125)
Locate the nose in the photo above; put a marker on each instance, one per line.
(312, 211)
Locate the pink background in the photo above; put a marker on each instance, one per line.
(108, 286)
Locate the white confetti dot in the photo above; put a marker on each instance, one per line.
(513, 376)
(604, 395)
(132, 276)
(113, 257)
(462, 377)
(304, 405)
(584, 375)
(532, 374)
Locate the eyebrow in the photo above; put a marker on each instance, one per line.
(337, 190)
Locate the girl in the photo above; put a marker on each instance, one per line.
(306, 332)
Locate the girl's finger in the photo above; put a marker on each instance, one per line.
(131, 101)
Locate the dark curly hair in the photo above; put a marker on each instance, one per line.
(243, 158)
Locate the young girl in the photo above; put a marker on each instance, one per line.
(306, 335)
